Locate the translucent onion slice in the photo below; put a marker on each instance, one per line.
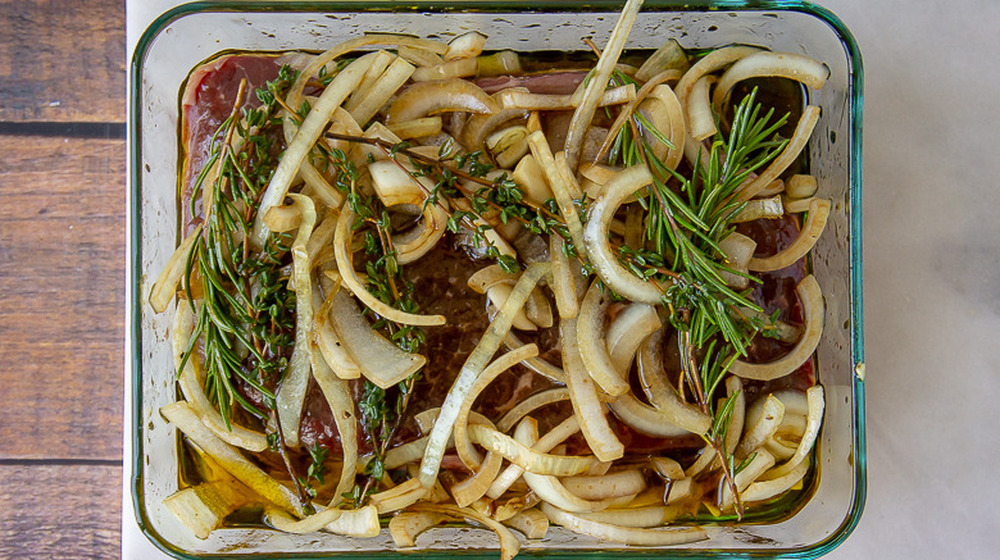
(381, 91)
(797, 205)
(645, 418)
(702, 120)
(521, 98)
(627, 482)
(595, 236)
(526, 457)
(665, 536)
(342, 248)
(549, 488)
(664, 110)
(406, 526)
(811, 297)
(529, 405)
(343, 84)
(592, 344)
(587, 405)
(328, 342)
(548, 442)
(499, 63)
(474, 487)
(498, 294)
(767, 489)
(204, 507)
(671, 56)
(640, 517)
(561, 190)
(530, 177)
(191, 384)
(440, 96)
(472, 368)
(184, 419)
(627, 332)
(813, 422)
(626, 113)
(763, 426)
(291, 393)
(466, 45)
(460, 68)
(399, 497)
(737, 419)
(509, 545)
(798, 141)
(594, 88)
(417, 128)
(466, 452)
(801, 186)
(288, 524)
(761, 462)
(738, 250)
(420, 56)
(532, 523)
(475, 130)
(338, 396)
(760, 208)
(819, 211)
(796, 67)
(563, 283)
(661, 395)
(165, 287)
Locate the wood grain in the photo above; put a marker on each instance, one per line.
(62, 60)
(61, 297)
(60, 511)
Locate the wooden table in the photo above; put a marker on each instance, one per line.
(62, 235)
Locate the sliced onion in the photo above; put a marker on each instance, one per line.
(561, 190)
(644, 517)
(488, 276)
(288, 524)
(612, 485)
(399, 497)
(422, 57)
(645, 418)
(774, 188)
(595, 236)
(798, 141)
(395, 184)
(184, 419)
(417, 128)
(328, 342)
(459, 68)
(627, 331)
(671, 56)
(819, 211)
(312, 126)
(537, 365)
(342, 247)
(529, 405)
(812, 303)
(526, 457)
(769, 64)
(563, 282)
(498, 294)
(737, 418)
(509, 545)
(813, 422)
(426, 98)
(761, 462)
(665, 536)
(406, 526)
(738, 251)
(760, 208)
(499, 64)
(532, 523)
(473, 133)
(191, 383)
(204, 507)
(472, 368)
(594, 88)
(165, 287)
(338, 396)
(668, 403)
(801, 186)
(593, 346)
(521, 98)
(702, 120)
(466, 45)
(762, 427)
(291, 392)
(381, 91)
(797, 205)
(766, 489)
(474, 487)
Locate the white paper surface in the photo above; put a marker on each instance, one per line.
(932, 277)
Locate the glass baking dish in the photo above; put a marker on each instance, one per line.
(189, 34)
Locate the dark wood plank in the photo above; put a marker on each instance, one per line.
(60, 511)
(62, 60)
(61, 297)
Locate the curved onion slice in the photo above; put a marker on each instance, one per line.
(702, 120)
(761, 461)
(628, 330)
(466, 452)
(529, 405)
(594, 88)
(819, 211)
(488, 276)
(587, 405)
(166, 283)
(328, 342)
(665, 536)
(396, 185)
(338, 396)
(644, 517)
(475, 130)
(595, 236)
(801, 186)
(531, 522)
(406, 526)
(766, 489)
(474, 487)
(761, 208)
(593, 346)
(813, 422)
(521, 98)
(439, 96)
(549, 441)
(612, 485)
(667, 114)
(664, 397)
(472, 368)
(509, 545)
(466, 45)
(527, 458)
(803, 130)
(563, 283)
(769, 64)
(812, 303)
(398, 497)
(342, 248)
(291, 393)
(288, 524)
(498, 294)
(562, 190)
(645, 418)
(190, 381)
(460, 68)
(737, 419)
(738, 250)
(382, 362)
(184, 419)
(537, 365)
(312, 127)
(763, 427)
(626, 112)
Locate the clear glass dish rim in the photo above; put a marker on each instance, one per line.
(855, 95)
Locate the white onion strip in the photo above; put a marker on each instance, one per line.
(811, 297)
(509, 545)
(312, 126)
(531, 522)
(329, 344)
(612, 485)
(702, 121)
(761, 461)
(587, 405)
(439, 96)
(798, 141)
(291, 393)
(763, 427)
(529, 405)
(665, 536)
(562, 191)
(813, 422)
(598, 82)
(595, 236)
(388, 83)
(554, 437)
(472, 368)
(527, 458)
(563, 284)
(166, 283)
(406, 526)
(627, 332)
(342, 250)
(819, 211)
(593, 346)
(338, 395)
(674, 410)
(766, 489)
(769, 64)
